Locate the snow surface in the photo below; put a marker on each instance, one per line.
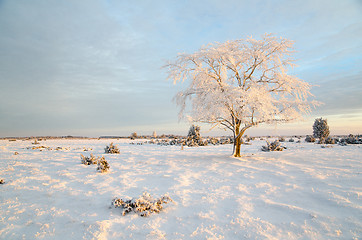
(304, 192)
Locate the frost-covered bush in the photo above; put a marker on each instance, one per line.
(330, 140)
(144, 205)
(228, 141)
(218, 141)
(248, 139)
(111, 149)
(189, 141)
(274, 146)
(309, 139)
(321, 129)
(89, 160)
(133, 136)
(213, 141)
(103, 165)
(351, 139)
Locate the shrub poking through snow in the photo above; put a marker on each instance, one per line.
(2, 181)
(89, 160)
(133, 136)
(309, 139)
(351, 139)
(144, 205)
(103, 165)
(330, 140)
(111, 149)
(274, 146)
(291, 140)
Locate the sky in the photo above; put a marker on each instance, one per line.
(94, 68)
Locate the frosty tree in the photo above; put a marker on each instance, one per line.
(240, 84)
(194, 136)
(321, 129)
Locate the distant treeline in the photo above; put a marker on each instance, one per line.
(163, 136)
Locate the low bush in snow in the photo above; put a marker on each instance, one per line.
(213, 141)
(330, 140)
(291, 140)
(351, 139)
(41, 148)
(103, 165)
(309, 139)
(2, 181)
(89, 160)
(248, 139)
(274, 146)
(133, 136)
(182, 141)
(144, 205)
(111, 149)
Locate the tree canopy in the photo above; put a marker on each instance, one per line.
(241, 83)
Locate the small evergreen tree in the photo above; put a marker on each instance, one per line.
(321, 129)
(194, 137)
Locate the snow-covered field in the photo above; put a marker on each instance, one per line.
(304, 192)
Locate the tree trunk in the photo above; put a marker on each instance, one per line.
(237, 148)
(237, 139)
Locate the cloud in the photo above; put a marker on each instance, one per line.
(64, 61)
(86, 64)
(341, 94)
